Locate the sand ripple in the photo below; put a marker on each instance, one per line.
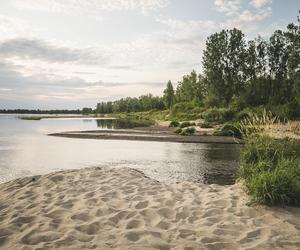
(122, 209)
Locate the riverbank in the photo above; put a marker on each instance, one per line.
(160, 134)
(122, 209)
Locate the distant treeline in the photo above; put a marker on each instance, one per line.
(132, 104)
(38, 111)
(237, 74)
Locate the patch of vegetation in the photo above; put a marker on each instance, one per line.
(174, 124)
(271, 170)
(186, 131)
(186, 124)
(229, 129)
(147, 115)
(186, 111)
(178, 131)
(206, 124)
(218, 115)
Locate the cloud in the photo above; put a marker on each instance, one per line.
(55, 91)
(229, 7)
(91, 7)
(260, 3)
(37, 49)
(13, 27)
(189, 24)
(248, 20)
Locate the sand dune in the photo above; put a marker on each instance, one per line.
(122, 209)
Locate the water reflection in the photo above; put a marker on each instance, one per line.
(25, 149)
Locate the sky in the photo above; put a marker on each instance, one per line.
(71, 54)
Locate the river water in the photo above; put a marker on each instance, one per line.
(25, 149)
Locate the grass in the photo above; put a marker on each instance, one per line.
(185, 132)
(270, 169)
(229, 129)
(174, 124)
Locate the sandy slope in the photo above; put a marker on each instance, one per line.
(122, 209)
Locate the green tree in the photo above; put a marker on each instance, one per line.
(169, 95)
(223, 62)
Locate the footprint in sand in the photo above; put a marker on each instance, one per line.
(134, 224)
(142, 205)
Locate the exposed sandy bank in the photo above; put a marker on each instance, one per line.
(122, 209)
(147, 135)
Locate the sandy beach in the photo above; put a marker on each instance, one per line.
(146, 134)
(122, 209)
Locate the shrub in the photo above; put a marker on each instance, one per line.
(174, 124)
(186, 124)
(206, 124)
(185, 111)
(178, 131)
(229, 129)
(211, 100)
(271, 170)
(218, 115)
(244, 114)
(238, 103)
(188, 131)
(185, 132)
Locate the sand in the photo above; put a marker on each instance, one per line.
(122, 209)
(147, 135)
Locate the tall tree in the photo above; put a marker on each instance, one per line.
(223, 63)
(169, 95)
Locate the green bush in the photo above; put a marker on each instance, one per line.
(185, 132)
(229, 129)
(186, 124)
(211, 101)
(238, 103)
(245, 113)
(219, 115)
(174, 124)
(188, 131)
(185, 111)
(271, 170)
(206, 124)
(178, 131)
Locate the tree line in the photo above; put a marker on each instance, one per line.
(236, 73)
(39, 111)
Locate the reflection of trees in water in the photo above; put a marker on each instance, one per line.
(121, 123)
(108, 124)
(210, 163)
(222, 163)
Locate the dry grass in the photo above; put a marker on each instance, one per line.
(270, 125)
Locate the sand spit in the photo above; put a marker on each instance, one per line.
(122, 209)
(140, 135)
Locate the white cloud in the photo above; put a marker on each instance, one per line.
(260, 3)
(229, 7)
(91, 6)
(190, 24)
(247, 20)
(13, 27)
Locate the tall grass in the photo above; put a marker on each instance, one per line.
(254, 123)
(271, 170)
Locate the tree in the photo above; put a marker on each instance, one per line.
(223, 63)
(169, 95)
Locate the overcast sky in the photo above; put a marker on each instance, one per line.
(75, 53)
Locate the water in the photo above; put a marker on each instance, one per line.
(25, 149)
